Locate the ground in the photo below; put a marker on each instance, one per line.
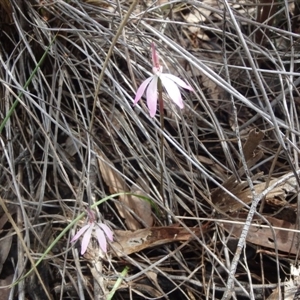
(202, 200)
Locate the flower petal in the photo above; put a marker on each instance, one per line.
(179, 81)
(152, 96)
(101, 239)
(79, 233)
(172, 89)
(86, 239)
(141, 90)
(107, 231)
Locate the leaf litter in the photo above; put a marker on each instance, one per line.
(235, 142)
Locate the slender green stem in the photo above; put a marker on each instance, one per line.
(73, 222)
(118, 283)
(16, 102)
(64, 231)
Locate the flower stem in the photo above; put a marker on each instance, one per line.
(162, 153)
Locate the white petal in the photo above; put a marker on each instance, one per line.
(141, 90)
(86, 239)
(172, 89)
(152, 96)
(107, 231)
(79, 233)
(101, 239)
(178, 81)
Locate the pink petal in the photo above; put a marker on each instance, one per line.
(152, 96)
(101, 239)
(107, 231)
(172, 90)
(141, 90)
(86, 239)
(179, 81)
(79, 233)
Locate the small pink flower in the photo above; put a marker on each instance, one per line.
(169, 81)
(86, 231)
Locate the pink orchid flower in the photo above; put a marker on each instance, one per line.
(86, 231)
(169, 81)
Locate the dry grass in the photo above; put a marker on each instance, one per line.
(48, 148)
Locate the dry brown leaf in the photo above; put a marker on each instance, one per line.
(141, 207)
(262, 236)
(221, 199)
(128, 242)
(213, 90)
(226, 203)
(140, 289)
(152, 276)
(217, 169)
(253, 140)
(275, 294)
(12, 210)
(161, 2)
(292, 286)
(117, 184)
(197, 16)
(4, 295)
(5, 246)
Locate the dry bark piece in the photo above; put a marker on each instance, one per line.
(128, 242)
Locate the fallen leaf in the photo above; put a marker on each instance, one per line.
(153, 277)
(117, 184)
(4, 295)
(161, 2)
(217, 169)
(262, 236)
(128, 242)
(225, 202)
(140, 289)
(5, 247)
(196, 17)
(12, 210)
(142, 207)
(252, 142)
